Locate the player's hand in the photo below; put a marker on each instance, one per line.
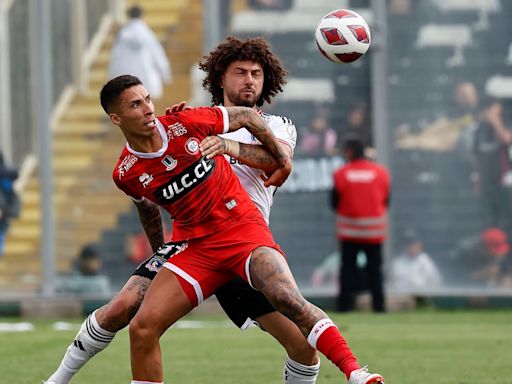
(177, 108)
(279, 176)
(212, 146)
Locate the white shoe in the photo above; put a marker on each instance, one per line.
(362, 376)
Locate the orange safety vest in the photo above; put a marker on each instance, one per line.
(363, 188)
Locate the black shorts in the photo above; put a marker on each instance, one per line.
(242, 303)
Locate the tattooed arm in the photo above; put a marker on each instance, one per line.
(151, 220)
(247, 117)
(252, 155)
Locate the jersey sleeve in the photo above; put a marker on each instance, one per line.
(126, 189)
(206, 120)
(285, 132)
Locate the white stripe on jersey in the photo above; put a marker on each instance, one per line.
(285, 132)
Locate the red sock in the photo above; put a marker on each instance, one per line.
(333, 345)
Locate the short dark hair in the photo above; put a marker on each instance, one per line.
(89, 252)
(135, 12)
(113, 89)
(354, 144)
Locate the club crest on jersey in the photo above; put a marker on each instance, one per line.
(169, 163)
(155, 263)
(126, 164)
(145, 179)
(192, 146)
(186, 181)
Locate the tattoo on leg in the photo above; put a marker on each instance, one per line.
(115, 322)
(271, 276)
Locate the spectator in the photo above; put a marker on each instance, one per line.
(360, 197)
(270, 5)
(450, 132)
(9, 201)
(358, 124)
(319, 139)
(326, 273)
(137, 51)
(414, 269)
(494, 269)
(87, 276)
(494, 167)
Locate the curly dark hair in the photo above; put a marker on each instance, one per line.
(232, 49)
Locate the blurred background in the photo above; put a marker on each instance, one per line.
(427, 98)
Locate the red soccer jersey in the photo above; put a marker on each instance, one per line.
(202, 196)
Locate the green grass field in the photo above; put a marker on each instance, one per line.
(439, 347)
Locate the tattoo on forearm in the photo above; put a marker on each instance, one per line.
(224, 144)
(256, 156)
(257, 126)
(151, 221)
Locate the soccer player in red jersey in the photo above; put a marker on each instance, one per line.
(224, 233)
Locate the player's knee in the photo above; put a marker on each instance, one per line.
(302, 352)
(119, 311)
(140, 329)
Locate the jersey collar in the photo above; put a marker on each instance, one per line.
(160, 152)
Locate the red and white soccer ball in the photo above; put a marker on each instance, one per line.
(342, 36)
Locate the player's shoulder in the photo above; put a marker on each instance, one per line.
(125, 163)
(276, 120)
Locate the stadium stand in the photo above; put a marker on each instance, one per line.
(433, 190)
(86, 146)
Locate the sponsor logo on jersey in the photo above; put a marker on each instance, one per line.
(192, 146)
(176, 130)
(171, 249)
(145, 179)
(126, 164)
(231, 204)
(169, 163)
(186, 181)
(234, 161)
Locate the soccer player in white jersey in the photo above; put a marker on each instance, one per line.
(243, 304)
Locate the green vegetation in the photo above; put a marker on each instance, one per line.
(441, 347)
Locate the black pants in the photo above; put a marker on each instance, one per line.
(350, 275)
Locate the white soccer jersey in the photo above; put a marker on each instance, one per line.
(285, 132)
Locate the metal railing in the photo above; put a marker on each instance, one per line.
(74, 27)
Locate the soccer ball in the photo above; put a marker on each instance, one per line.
(342, 36)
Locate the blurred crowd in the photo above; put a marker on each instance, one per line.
(9, 201)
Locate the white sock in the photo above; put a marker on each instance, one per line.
(297, 373)
(90, 340)
(145, 382)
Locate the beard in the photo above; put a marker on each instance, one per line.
(242, 101)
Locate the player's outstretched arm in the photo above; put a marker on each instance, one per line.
(247, 117)
(151, 220)
(252, 155)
